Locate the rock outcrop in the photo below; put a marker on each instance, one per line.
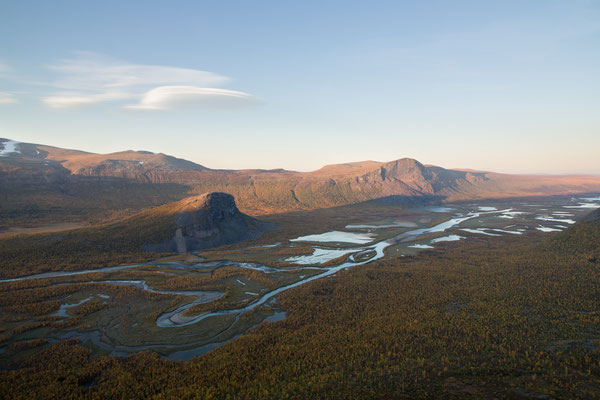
(206, 221)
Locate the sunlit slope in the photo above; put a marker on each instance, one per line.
(54, 178)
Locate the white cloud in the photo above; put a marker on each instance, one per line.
(91, 78)
(7, 98)
(91, 71)
(74, 99)
(166, 97)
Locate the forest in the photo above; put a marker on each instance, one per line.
(486, 318)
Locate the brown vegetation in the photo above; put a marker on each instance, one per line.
(497, 318)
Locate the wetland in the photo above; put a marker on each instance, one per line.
(181, 306)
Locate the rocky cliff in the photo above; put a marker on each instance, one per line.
(206, 221)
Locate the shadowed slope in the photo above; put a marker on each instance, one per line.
(205, 221)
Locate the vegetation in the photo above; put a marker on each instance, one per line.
(499, 318)
(88, 248)
(123, 242)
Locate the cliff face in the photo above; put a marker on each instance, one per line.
(206, 221)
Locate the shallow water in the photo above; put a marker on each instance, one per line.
(319, 256)
(158, 264)
(590, 206)
(546, 229)
(480, 231)
(560, 220)
(449, 238)
(62, 311)
(71, 273)
(382, 226)
(337, 237)
(439, 209)
(506, 231)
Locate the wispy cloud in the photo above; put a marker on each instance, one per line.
(4, 69)
(91, 78)
(78, 99)
(92, 71)
(7, 98)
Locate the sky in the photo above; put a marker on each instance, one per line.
(506, 86)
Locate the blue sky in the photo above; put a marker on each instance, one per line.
(510, 86)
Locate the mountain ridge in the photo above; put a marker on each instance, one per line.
(61, 175)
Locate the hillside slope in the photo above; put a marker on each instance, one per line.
(57, 181)
(199, 222)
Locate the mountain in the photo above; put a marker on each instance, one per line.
(205, 221)
(44, 183)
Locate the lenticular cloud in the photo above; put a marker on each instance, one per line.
(90, 78)
(166, 97)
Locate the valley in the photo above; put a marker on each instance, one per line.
(362, 279)
(184, 305)
(509, 316)
(208, 200)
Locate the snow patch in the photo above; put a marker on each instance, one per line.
(10, 146)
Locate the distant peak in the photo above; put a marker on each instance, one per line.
(404, 163)
(351, 168)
